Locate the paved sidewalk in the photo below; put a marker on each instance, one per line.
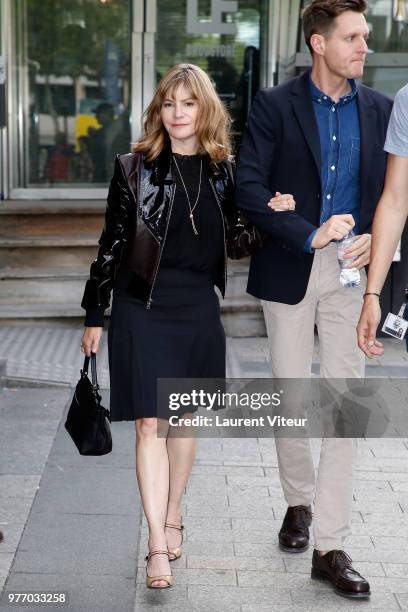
(233, 511)
(234, 508)
(73, 523)
(28, 423)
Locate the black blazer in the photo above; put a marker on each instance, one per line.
(280, 151)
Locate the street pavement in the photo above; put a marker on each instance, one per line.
(74, 524)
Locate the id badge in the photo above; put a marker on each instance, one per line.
(395, 325)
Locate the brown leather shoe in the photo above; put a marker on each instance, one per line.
(335, 566)
(294, 533)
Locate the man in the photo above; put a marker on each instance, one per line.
(319, 137)
(389, 221)
(105, 142)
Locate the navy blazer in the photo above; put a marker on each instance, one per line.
(280, 151)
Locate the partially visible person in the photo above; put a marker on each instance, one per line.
(58, 168)
(389, 221)
(84, 168)
(103, 143)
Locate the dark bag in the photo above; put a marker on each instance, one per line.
(244, 239)
(87, 420)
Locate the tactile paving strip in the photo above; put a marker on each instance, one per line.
(48, 355)
(54, 355)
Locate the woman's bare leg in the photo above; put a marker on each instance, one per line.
(181, 453)
(152, 471)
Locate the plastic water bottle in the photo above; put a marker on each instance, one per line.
(349, 277)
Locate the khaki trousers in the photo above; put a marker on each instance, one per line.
(335, 311)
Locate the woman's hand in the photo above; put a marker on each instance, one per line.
(282, 202)
(90, 340)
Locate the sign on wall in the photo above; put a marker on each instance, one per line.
(216, 25)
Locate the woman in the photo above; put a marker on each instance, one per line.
(169, 208)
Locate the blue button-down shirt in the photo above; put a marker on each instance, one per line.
(339, 131)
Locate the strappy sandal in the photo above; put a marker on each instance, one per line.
(151, 579)
(177, 552)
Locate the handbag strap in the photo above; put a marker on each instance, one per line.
(94, 377)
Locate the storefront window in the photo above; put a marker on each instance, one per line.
(226, 39)
(72, 86)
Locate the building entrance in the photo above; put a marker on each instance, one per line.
(79, 74)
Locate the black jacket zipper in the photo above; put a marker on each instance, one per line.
(149, 301)
(223, 229)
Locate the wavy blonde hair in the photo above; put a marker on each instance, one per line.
(212, 124)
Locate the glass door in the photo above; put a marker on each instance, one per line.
(69, 84)
(80, 73)
(227, 39)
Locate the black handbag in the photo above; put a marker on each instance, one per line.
(244, 239)
(87, 420)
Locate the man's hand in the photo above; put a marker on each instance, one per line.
(334, 228)
(367, 327)
(361, 249)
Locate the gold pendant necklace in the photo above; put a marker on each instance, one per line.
(188, 198)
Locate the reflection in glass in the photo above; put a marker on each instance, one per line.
(76, 59)
(226, 46)
(388, 23)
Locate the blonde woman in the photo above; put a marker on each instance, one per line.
(162, 250)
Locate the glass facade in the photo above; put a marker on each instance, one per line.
(229, 46)
(71, 84)
(387, 68)
(80, 72)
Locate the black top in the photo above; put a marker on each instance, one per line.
(184, 249)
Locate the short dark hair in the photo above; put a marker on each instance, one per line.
(319, 16)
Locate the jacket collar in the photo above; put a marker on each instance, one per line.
(303, 108)
(160, 167)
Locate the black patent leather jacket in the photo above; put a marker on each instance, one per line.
(138, 210)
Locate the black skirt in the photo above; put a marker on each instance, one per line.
(180, 336)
